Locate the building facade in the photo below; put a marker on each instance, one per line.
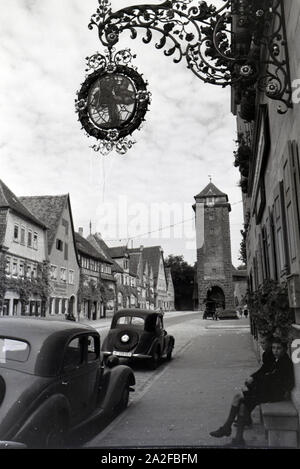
(268, 157)
(108, 277)
(127, 280)
(23, 258)
(92, 294)
(214, 266)
(55, 212)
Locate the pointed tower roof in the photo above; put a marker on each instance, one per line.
(211, 191)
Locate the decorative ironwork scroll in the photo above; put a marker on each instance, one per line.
(240, 44)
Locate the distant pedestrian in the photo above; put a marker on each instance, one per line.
(271, 383)
(246, 313)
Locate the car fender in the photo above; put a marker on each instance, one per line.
(34, 430)
(154, 344)
(116, 378)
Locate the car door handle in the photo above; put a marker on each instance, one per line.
(65, 383)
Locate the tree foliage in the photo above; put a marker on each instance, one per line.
(183, 279)
(269, 307)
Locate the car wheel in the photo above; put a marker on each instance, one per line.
(169, 352)
(154, 360)
(123, 403)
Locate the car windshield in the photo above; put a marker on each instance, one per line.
(13, 350)
(132, 320)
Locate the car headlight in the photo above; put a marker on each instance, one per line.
(125, 338)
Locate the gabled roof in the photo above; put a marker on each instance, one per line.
(102, 247)
(118, 251)
(210, 191)
(86, 248)
(134, 260)
(152, 255)
(48, 208)
(169, 276)
(8, 200)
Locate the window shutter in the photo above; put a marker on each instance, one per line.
(273, 247)
(294, 164)
(280, 230)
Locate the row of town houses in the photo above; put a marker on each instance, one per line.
(48, 269)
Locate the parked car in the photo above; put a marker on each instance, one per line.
(52, 381)
(138, 334)
(228, 314)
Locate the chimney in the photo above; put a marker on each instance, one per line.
(141, 247)
(80, 231)
(98, 235)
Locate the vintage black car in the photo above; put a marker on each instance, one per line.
(53, 383)
(138, 334)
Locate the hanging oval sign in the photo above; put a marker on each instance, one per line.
(112, 102)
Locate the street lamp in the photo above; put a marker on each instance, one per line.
(242, 44)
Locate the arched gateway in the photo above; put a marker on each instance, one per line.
(214, 267)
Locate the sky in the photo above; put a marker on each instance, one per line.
(188, 136)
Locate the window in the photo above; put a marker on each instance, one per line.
(34, 271)
(15, 267)
(71, 277)
(73, 356)
(7, 267)
(125, 264)
(22, 235)
(93, 348)
(53, 272)
(13, 350)
(35, 240)
(16, 233)
(29, 239)
(28, 270)
(21, 269)
(63, 273)
(59, 245)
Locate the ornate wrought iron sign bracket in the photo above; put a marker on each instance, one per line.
(242, 44)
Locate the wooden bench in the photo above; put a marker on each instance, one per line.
(281, 423)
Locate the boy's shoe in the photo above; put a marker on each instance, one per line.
(222, 431)
(248, 422)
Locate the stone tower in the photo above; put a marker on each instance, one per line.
(214, 267)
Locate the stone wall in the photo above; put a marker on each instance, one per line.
(214, 266)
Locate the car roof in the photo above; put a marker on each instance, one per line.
(149, 317)
(137, 312)
(46, 337)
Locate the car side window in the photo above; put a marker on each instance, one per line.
(137, 321)
(73, 356)
(124, 320)
(93, 348)
(159, 324)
